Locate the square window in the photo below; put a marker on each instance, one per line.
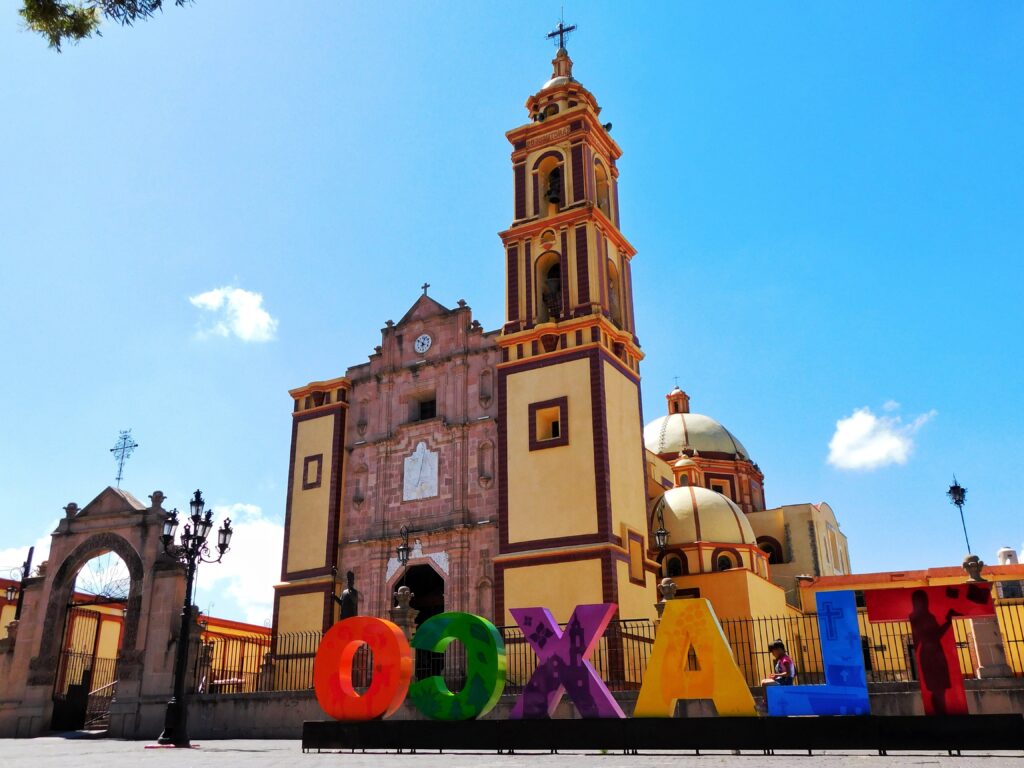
(428, 409)
(549, 423)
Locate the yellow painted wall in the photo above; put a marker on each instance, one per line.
(300, 613)
(309, 513)
(552, 494)
(635, 602)
(737, 594)
(559, 587)
(625, 451)
(6, 617)
(110, 640)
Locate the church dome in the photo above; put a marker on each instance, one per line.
(677, 432)
(693, 513)
(680, 430)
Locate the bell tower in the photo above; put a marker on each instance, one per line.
(572, 506)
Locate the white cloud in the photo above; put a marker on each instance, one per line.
(13, 557)
(248, 572)
(235, 312)
(866, 441)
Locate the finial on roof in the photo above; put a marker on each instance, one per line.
(424, 287)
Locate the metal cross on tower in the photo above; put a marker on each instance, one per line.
(561, 32)
(122, 451)
(424, 287)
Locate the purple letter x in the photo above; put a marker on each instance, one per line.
(562, 664)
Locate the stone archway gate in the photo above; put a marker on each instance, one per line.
(115, 521)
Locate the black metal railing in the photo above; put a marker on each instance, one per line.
(620, 657)
(92, 672)
(888, 647)
(252, 663)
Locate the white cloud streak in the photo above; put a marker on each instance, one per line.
(234, 312)
(248, 572)
(865, 441)
(13, 557)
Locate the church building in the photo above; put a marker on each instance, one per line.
(488, 470)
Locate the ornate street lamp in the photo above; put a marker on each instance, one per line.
(189, 553)
(661, 535)
(12, 592)
(957, 496)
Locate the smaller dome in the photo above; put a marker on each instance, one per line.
(693, 513)
(684, 461)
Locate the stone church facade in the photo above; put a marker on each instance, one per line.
(407, 439)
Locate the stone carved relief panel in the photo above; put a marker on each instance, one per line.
(419, 479)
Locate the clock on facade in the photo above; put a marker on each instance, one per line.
(423, 343)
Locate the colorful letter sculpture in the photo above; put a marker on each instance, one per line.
(846, 689)
(688, 624)
(930, 611)
(332, 669)
(562, 663)
(485, 667)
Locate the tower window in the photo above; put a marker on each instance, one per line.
(673, 567)
(549, 423)
(428, 409)
(724, 563)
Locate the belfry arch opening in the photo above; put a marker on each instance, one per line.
(550, 185)
(603, 188)
(614, 294)
(549, 287)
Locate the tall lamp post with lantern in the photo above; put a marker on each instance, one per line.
(191, 551)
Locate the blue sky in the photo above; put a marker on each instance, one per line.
(826, 199)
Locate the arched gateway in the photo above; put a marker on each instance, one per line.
(36, 675)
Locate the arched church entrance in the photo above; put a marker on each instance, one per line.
(427, 586)
(93, 629)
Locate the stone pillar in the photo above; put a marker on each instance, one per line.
(667, 588)
(988, 648)
(403, 614)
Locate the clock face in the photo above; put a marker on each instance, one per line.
(423, 343)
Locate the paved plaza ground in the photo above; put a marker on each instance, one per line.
(107, 753)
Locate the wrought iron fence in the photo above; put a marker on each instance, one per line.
(251, 663)
(75, 668)
(887, 647)
(620, 657)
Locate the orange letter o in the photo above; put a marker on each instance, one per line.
(392, 669)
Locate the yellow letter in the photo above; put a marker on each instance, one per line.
(692, 624)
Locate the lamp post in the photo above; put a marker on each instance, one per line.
(189, 553)
(957, 496)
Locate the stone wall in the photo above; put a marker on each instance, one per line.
(280, 715)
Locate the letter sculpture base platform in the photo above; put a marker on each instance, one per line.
(973, 732)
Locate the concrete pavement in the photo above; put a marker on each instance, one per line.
(57, 752)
